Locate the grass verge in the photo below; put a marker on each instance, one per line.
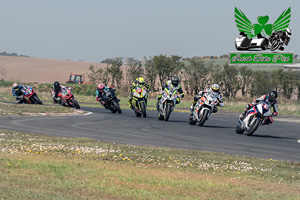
(44, 167)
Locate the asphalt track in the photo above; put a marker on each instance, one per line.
(278, 141)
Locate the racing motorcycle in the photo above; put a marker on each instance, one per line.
(256, 115)
(167, 103)
(111, 102)
(67, 98)
(30, 96)
(203, 108)
(139, 101)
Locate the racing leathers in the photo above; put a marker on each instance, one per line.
(203, 92)
(55, 94)
(100, 95)
(169, 85)
(132, 87)
(274, 105)
(18, 93)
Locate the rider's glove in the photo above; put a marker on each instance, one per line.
(182, 95)
(221, 104)
(148, 90)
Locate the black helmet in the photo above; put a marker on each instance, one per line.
(175, 80)
(272, 95)
(56, 86)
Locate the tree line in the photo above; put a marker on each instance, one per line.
(196, 74)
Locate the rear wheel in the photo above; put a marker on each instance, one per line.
(203, 118)
(138, 114)
(168, 112)
(75, 103)
(143, 109)
(117, 106)
(36, 100)
(253, 128)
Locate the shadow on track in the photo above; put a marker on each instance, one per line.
(276, 137)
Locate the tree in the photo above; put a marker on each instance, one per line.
(196, 75)
(228, 80)
(95, 74)
(115, 72)
(151, 74)
(245, 79)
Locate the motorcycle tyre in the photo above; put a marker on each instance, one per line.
(167, 115)
(204, 117)
(35, 99)
(143, 109)
(75, 103)
(117, 106)
(254, 127)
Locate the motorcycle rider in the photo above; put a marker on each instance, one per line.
(100, 91)
(138, 82)
(271, 98)
(215, 89)
(172, 84)
(56, 89)
(17, 92)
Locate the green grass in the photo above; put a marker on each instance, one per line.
(44, 167)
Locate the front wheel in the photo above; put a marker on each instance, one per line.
(168, 112)
(36, 100)
(203, 118)
(238, 128)
(117, 107)
(253, 128)
(143, 109)
(75, 104)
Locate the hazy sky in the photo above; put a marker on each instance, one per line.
(93, 30)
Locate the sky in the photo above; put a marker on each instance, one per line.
(93, 30)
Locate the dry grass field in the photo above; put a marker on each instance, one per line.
(42, 70)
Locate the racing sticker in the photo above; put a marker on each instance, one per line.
(262, 42)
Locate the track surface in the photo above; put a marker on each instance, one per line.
(278, 141)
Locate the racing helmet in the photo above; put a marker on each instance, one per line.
(100, 86)
(15, 85)
(272, 95)
(175, 80)
(215, 88)
(289, 31)
(140, 80)
(57, 86)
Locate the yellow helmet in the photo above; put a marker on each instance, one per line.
(215, 88)
(140, 80)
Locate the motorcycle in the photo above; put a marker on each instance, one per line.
(30, 96)
(167, 103)
(203, 108)
(139, 101)
(67, 98)
(256, 115)
(111, 102)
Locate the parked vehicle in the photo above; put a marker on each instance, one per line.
(111, 101)
(67, 98)
(30, 96)
(203, 108)
(167, 103)
(255, 116)
(77, 79)
(139, 101)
